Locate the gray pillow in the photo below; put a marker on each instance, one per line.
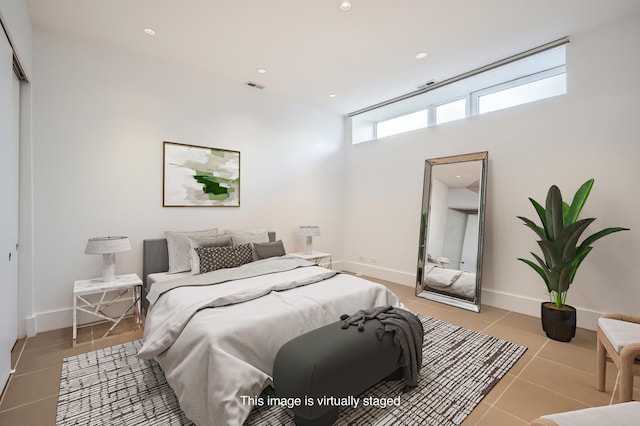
(214, 258)
(265, 250)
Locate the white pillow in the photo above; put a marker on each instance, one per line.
(244, 236)
(178, 248)
(195, 242)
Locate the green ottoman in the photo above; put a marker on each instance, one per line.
(333, 362)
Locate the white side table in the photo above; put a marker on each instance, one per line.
(110, 293)
(315, 256)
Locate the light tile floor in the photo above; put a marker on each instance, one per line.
(550, 377)
(30, 398)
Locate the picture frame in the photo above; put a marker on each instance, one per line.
(200, 176)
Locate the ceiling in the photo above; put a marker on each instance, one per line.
(311, 49)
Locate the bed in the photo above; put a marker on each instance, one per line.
(216, 343)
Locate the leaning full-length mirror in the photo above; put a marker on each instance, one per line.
(451, 230)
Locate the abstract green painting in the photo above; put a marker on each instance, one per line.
(200, 176)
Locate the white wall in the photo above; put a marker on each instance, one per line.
(590, 132)
(100, 119)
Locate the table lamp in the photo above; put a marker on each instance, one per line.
(309, 232)
(108, 247)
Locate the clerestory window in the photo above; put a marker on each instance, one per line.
(530, 76)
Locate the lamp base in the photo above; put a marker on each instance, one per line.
(108, 268)
(309, 248)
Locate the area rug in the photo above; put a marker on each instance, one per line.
(113, 387)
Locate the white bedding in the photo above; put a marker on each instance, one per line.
(227, 352)
(451, 281)
(164, 276)
(441, 277)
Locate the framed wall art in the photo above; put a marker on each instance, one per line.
(198, 176)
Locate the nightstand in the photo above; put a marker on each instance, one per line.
(315, 256)
(109, 293)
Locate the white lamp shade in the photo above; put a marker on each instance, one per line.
(107, 245)
(309, 231)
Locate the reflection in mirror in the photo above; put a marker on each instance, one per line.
(451, 230)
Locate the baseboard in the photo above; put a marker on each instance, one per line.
(30, 324)
(392, 275)
(586, 318)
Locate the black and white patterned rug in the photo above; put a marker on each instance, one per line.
(113, 387)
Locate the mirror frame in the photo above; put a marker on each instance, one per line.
(474, 305)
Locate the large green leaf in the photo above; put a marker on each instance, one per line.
(531, 224)
(552, 253)
(590, 239)
(554, 278)
(542, 263)
(559, 278)
(578, 260)
(544, 269)
(553, 212)
(570, 238)
(536, 268)
(564, 281)
(579, 199)
(565, 210)
(541, 214)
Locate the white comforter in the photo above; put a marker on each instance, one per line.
(227, 352)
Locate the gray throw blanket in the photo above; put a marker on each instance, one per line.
(408, 334)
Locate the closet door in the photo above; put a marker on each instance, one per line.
(9, 160)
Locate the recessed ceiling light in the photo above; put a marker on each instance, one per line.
(261, 71)
(421, 55)
(149, 31)
(333, 95)
(345, 6)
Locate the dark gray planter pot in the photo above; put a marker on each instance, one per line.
(558, 324)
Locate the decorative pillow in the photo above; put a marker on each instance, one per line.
(178, 248)
(265, 250)
(244, 253)
(214, 258)
(194, 242)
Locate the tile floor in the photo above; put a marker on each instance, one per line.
(550, 377)
(31, 396)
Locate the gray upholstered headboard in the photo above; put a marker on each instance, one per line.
(155, 258)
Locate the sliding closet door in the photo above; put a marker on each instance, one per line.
(9, 160)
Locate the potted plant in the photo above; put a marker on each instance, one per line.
(562, 255)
